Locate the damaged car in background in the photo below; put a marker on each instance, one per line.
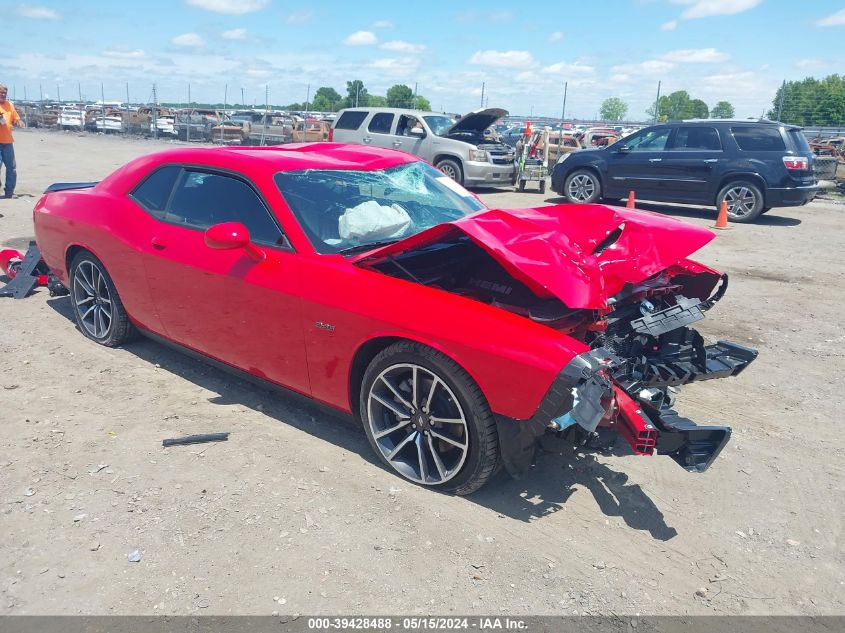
(365, 279)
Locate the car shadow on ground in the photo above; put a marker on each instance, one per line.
(289, 408)
(541, 491)
(770, 218)
(560, 471)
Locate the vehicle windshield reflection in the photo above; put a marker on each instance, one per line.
(343, 210)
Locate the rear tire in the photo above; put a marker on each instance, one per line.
(744, 198)
(521, 186)
(582, 186)
(452, 169)
(97, 307)
(543, 186)
(427, 420)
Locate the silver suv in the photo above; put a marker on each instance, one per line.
(458, 149)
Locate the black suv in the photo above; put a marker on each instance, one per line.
(752, 165)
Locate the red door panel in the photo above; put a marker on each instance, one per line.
(227, 306)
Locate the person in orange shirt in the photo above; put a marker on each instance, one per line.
(8, 118)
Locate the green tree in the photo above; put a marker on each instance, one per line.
(613, 109)
(422, 103)
(674, 106)
(377, 101)
(400, 96)
(811, 101)
(326, 99)
(697, 109)
(722, 110)
(356, 94)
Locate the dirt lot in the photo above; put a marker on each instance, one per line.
(294, 515)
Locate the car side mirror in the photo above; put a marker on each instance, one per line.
(417, 131)
(231, 235)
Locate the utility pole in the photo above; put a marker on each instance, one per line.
(223, 113)
(79, 88)
(188, 117)
(103, 107)
(563, 110)
(415, 95)
(243, 103)
(782, 93)
(266, 111)
(656, 101)
(127, 94)
(155, 113)
(482, 94)
(307, 99)
(58, 94)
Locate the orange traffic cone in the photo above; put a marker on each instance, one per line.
(722, 220)
(630, 203)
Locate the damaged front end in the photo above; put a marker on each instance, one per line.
(615, 280)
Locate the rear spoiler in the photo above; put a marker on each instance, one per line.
(65, 186)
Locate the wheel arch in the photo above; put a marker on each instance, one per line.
(73, 250)
(370, 348)
(753, 177)
(454, 157)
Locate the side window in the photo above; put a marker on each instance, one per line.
(351, 120)
(381, 123)
(205, 198)
(696, 139)
(154, 192)
(406, 122)
(758, 139)
(649, 141)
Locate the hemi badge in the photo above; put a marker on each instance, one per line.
(324, 326)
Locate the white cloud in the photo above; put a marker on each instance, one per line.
(708, 8)
(187, 39)
(382, 24)
(809, 63)
(402, 47)
(651, 67)
(837, 19)
(669, 26)
(556, 36)
(118, 53)
(695, 56)
(562, 68)
(360, 38)
(233, 7)
(502, 59)
(235, 34)
(394, 63)
(37, 13)
(300, 17)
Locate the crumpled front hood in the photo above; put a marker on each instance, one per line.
(553, 249)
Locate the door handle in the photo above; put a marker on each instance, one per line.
(654, 160)
(711, 160)
(158, 243)
(368, 139)
(397, 143)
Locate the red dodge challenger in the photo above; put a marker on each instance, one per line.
(369, 281)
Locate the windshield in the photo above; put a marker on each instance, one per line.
(439, 124)
(344, 210)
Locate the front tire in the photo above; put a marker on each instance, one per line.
(427, 420)
(451, 168)
(582, 186)
(97, 307)
(744, 200)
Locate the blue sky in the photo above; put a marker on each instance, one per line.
(738, 50)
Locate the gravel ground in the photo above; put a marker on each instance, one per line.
(294, 515)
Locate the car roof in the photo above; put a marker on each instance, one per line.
(264, 161)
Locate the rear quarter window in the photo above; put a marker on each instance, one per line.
(154, 192)
(798, 140)
(758, 139)
(350, 120)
